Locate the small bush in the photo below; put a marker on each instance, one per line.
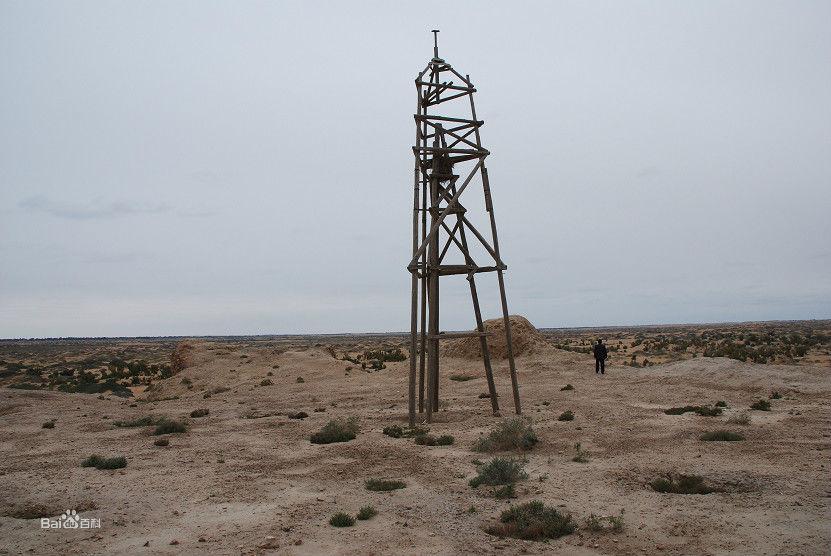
(742, 418)
(48, 425)
(567, 415)
(499, 471)
(533, 521)
(298, 415)
(721, 403)
(509, 434)
(163, 441)
(681, 484)
(761, 405)
(98, 462)
(336, 430)
(721, 436)
(266, 382)
(146, 421)
(384, 485)
(600, 524)
(367, 512)
(169, 426)
(341, 519)
(775, 396)
(505, 492)
(461, 378)
(201, 412)
(425, 440)
(566, 387)
(395, 431)
(300, 380)
(703, 410)
(445, 440)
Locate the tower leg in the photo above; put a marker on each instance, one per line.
(511, 364)
(483, 343)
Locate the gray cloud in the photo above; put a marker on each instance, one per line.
(91, 210)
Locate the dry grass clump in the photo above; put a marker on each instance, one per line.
(721, 436)
(384, 485)
(163, 441)
(761, 405)
(169, 426)
(397, 431)
(48, 425)
(99, 462)
(461, 378)
(430, 440)
(201, 412)
(566, 387)
(514, 434)
(567, 415)
(336, 430)
(703, 410)
(367, 512)
(533, 521)
(581, 456)
(681, 484)
(742, 418)
(602, 524)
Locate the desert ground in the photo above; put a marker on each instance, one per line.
(244, 478)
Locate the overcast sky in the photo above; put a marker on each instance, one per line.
(245, 167)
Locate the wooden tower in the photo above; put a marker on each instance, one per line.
(447, 148)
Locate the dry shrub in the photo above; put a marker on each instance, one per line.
(514, 433)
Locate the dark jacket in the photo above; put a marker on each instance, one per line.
(600, 352)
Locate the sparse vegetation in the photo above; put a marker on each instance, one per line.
(169, 426)
(341, 519)
(499, 471)
(397, 431)
(533, 521)
(163, 441)
(266, 382)
(703, 410)
(298, 415)
(337, 430)
(512, 434)
(201, 412)
(721, 403)
(602, 524)
(461, 378)
(48, 425)
(384, 485)
(760, 405)
(99, 462)
(775, 395)
(681, 484)
(367, 512)
(567, 415)
(300, 380)
(721, 436)
(146, 421)
(566, 387)
(581, 456)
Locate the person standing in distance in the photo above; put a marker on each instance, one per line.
(600, 355)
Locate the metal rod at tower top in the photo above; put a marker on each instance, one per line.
(443, 155)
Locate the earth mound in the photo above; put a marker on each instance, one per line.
(524, 335)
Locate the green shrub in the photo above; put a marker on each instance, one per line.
(500, 471)
(509, 434)
(533, 521)
(200, 412)
(266, 382)
(384, 485)
(505, 492)
(367, 512)
(775, 396)
(761, 405)
(336, 430)
(99, 462)
(341, 519)
(395, 431)
(298, 415)
(566, 387)
(461, 378)
(425, 440)
(721, 403)
(721, 436)
(169, 426)
(300, 380)
(702, 410)
(445, 440)
(48, 425)
(567, 415)
(598, 524)
(706, 411)
(681, 484)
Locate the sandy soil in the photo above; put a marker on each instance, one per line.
(246, 480)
